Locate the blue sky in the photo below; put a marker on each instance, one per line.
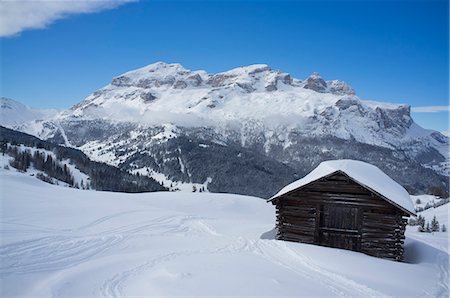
(393, 51)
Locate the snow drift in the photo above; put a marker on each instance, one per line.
(62, 242)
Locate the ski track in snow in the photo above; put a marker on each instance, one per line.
(66, 249)
(443, 277)
(52, 253)
(107, 249)
(114, 286)
(272, 251)
(275, 252)
(280, 254)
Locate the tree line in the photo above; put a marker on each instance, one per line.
(102, 176)
(425, 226)
(23, 159)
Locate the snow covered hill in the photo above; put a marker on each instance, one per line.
(58, 164)
(63, 242)
(185, 126)
(14, 113)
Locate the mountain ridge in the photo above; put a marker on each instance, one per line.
(145, 117)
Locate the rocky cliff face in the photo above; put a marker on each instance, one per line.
(249, 130)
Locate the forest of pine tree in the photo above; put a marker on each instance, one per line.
(23, 159)
(102, 176)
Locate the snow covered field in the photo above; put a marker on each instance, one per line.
(58, 241)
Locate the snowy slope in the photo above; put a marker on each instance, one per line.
(424, 200)
(64, 242)
(14, 113)
(439, 240)
(79, 177)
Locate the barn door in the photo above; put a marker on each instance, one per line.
(338, 227)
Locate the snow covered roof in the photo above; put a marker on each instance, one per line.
(363, 173)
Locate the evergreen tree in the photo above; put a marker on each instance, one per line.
(3, 146)
(427, 228)
(434, 225)
(421, 221)
(444, 228)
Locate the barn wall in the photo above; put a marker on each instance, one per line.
(383, 235)
(303, 216)
(296, 221)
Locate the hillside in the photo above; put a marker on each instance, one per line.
(89, 243)
(14, 113)
(56, 164)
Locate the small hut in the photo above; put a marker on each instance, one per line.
(345, 204)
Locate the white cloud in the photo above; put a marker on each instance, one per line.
(430, 109)
(19, 15)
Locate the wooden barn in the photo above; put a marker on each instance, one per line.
(345, 204)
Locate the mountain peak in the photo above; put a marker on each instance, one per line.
(316, 83)
(315, 75)
(13, 112)
(160, 67)
(163, 65)
(11, 104)
(249, 69)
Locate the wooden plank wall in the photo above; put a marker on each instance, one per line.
(296, 222)
(382, 228)
(383, 235)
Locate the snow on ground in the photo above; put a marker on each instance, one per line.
(79, 177)
(15, 113)
(439, 240)
(102, 153)
(171, 184)
(424, 200)
(60, 242)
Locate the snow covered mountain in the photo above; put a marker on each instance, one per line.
(249, 130)
(14, 113)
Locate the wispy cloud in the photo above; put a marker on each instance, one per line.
(430, 109)
(19, 15)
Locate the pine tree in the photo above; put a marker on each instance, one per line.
(434, 225)
(3, 147)
(427, 228)
(194, 188)
(444, 228)
(421, 221)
